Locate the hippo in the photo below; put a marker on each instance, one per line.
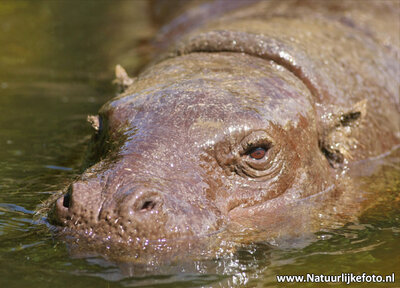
(246, 127)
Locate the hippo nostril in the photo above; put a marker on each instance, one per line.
(148, 205)
(67, 197)
(147, 202)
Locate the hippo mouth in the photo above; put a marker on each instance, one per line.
(54, 220)
(83, 243)
(86, 238)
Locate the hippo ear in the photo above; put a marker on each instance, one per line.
(339, 131)
(94, 121)
(121, 78)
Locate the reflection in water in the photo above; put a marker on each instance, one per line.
(56, 67)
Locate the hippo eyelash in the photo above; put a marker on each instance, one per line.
(250, 146)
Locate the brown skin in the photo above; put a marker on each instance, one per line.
(251, 146)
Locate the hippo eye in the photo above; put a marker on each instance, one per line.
(257, 153)
(255, 146)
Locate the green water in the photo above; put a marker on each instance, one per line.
(56, 67)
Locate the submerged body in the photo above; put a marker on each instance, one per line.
(246, 128)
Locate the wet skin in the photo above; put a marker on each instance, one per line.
(252, 127)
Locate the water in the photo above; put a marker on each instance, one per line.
(56, 67)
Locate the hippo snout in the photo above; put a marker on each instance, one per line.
(144, 202)
(133, 212)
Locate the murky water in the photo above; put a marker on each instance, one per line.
(56, 67)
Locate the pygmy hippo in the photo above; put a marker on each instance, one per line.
(245, 128)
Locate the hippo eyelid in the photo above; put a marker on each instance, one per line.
(257, 148)
(254, 141)
(257, 156)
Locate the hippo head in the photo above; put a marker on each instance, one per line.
(207, 144)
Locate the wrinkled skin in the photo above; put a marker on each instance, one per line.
(246, 128)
